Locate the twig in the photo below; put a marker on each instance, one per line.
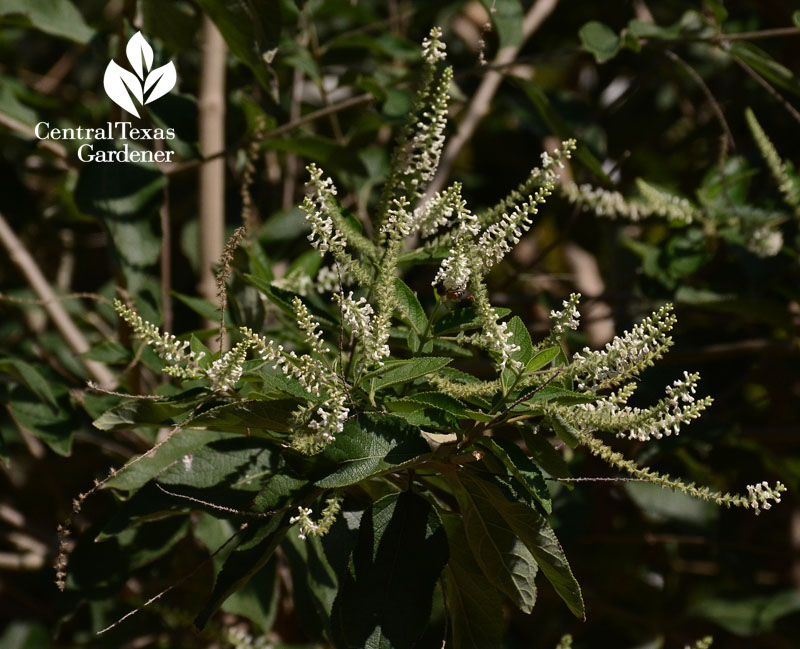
(96, 388)
(34, 276)
(280, 130)
(292, 162)
(211, 197)
(166, 254)
(53, 147)
(479, 105)
(597, 479)
(765, 84)
(222, 508)
(57, 298)
(177, 583)
(727, 140)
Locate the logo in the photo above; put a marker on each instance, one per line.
(123, 86)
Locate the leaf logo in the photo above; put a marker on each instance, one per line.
(120, 84)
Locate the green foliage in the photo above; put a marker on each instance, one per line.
(385, 451)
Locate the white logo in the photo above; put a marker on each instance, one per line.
(121, 84)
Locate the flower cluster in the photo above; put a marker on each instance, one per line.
(324, 236)
(433, 49)
(226, 371)
(321, 527)
(569, 318)
(323, 417)
(626, 355)
(788, 183)
(760, 494)
(665, 418)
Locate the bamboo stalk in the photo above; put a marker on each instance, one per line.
(211, 195)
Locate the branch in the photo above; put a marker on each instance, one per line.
(23, 129)
(280, 130)
(34, 276)
(211, 198)
(479, 105)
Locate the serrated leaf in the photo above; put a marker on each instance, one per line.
(411, 310)
(475, 611)
(565, 431)
(463, 319)
(29, 376)
(505, 561)
(543, 453)
(560, 396)
(436, 400)
(140, 412)
(256, 545)
(369, 444)
(533, 530)
(385, 601)
(520, 467)
(249, 417)
(142, 471)
(405, 371)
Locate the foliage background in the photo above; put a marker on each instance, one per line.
(656, 570)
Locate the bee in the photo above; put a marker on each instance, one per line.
(462, 296)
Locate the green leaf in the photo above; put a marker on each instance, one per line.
(249, 417)
(30, 378)
(543, 453)
(25, 635)
(556, 123)
(462, 319)
(137, 473)
(520, 467)
(411, 311)
(475, 611)
(600, 40)
(125, 197)
(314, 582)
(109, 352)
(542, 358)
(436, 400)
(560, 396)
(257, 600)
(385, 600)
(205, 308)
(566, 433)
(55, 17)
(255, 547)
(645, 29)
(238, 463)
(751, 616)
(251, 28)
(405, 371)
(507, 19)
(369, 444)
(522, 339)
(56, 428)
(533, 530)
(766, 66)
(505, 561)
(140, 412)
(796, 19)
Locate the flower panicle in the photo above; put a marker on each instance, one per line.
(309, 527)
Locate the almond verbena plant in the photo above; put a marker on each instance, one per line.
(348, 432)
